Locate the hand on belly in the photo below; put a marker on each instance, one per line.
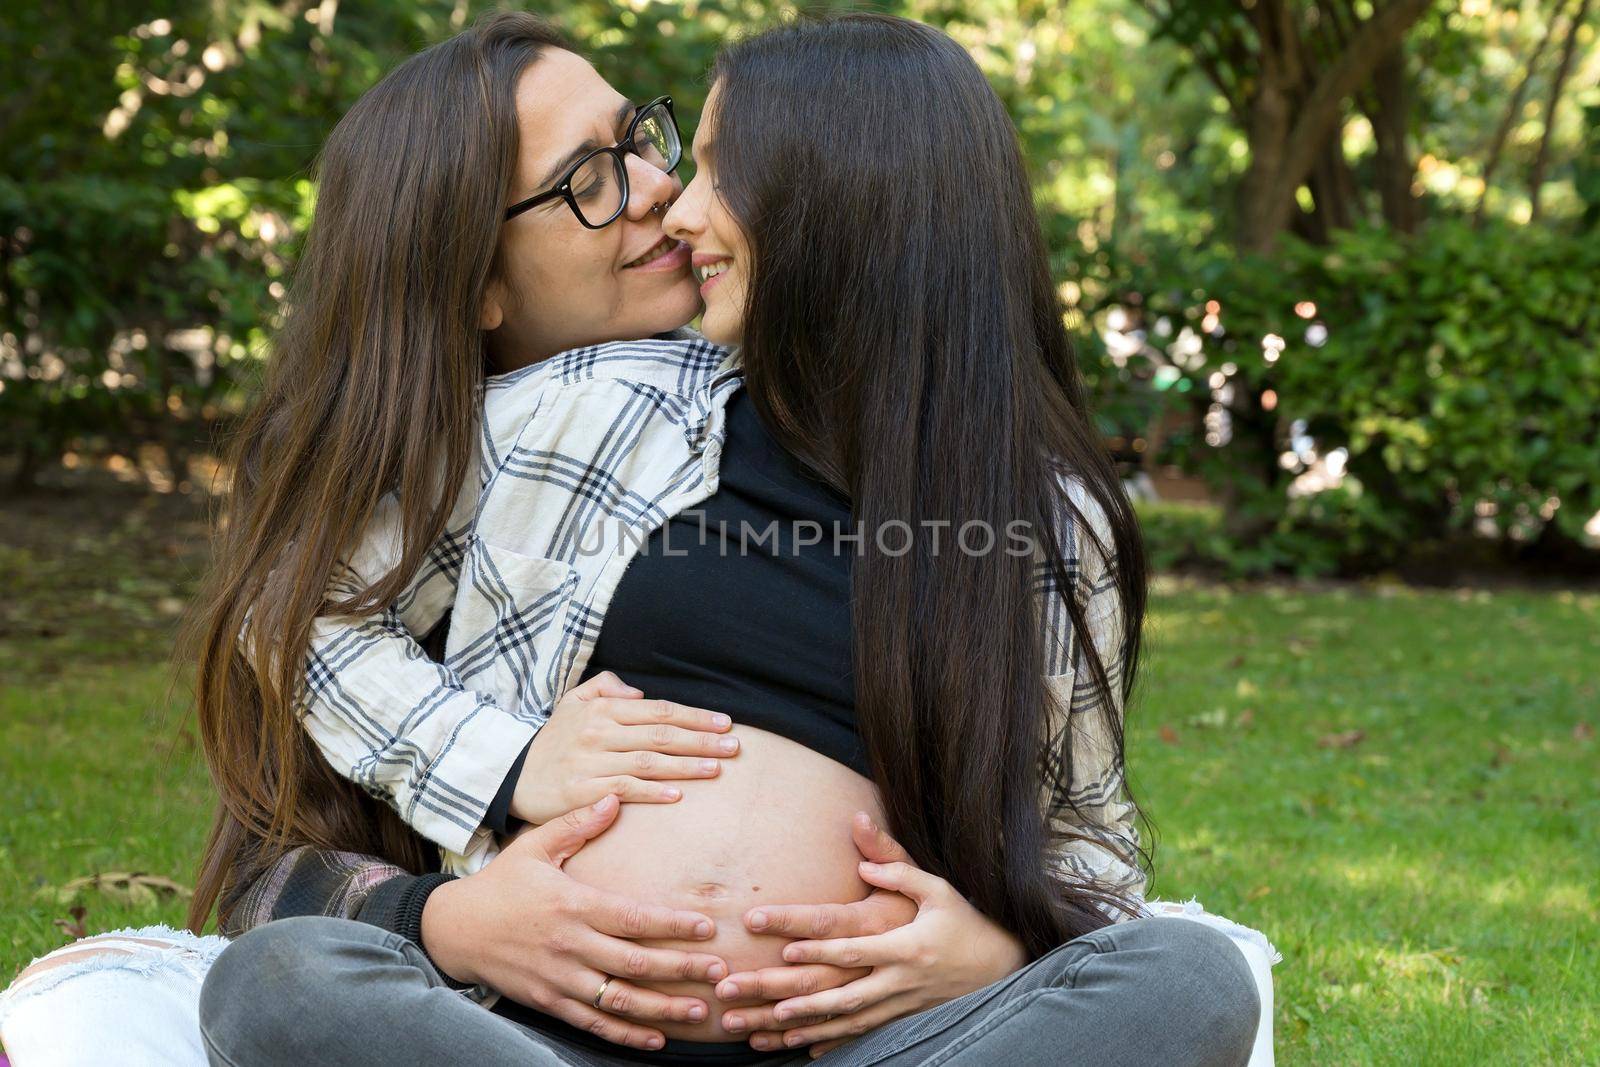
(772, 828)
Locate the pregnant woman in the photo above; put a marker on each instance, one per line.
(905, 368)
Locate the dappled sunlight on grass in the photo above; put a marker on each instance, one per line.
(1397, 786)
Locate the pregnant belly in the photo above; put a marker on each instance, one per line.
(772, 828)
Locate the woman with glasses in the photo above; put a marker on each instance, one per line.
(459, 233)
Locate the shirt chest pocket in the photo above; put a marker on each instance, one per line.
(508, 635)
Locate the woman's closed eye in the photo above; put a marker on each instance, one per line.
(591, 189)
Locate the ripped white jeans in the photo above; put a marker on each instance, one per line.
(129, 997)
(133, 996)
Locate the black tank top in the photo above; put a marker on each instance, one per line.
(728, 607)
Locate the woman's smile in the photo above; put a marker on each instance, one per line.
(708, 267)
(665, 255)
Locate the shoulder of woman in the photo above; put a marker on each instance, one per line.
(678, 363)
(681, 364)
(1085, 525)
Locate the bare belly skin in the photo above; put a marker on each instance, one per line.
(772, 828)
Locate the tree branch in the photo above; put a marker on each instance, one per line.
(1324, 106)
(1209, 61)
(1509, 119)
(1536, 178)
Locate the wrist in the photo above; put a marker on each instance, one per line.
(441, 931)
(527, 805)
(1013, 958)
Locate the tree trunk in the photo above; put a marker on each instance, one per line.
(1396, 169)
(1285, 141)
(26, 476)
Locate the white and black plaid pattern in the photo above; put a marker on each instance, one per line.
(582, 456)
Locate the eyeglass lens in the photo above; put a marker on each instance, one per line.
(600, 184)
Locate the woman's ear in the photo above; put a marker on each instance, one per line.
(493, 312)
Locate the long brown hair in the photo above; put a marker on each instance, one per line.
(372, 387)
(903, 335)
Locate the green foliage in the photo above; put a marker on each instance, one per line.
(1586, 168)
(1460, 372)
(156, 181)
(1183, 536)
(127, 302)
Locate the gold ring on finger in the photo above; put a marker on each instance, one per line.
(601, 991)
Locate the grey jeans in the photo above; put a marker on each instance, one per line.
(1163, 991)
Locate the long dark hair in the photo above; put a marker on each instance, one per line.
(372, 387)
(904, 337)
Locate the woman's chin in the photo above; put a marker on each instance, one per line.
(670, 308)
(721, 328)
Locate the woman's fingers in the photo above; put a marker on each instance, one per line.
(621, 997)
(563, 836)
(606, 685)
(638, 791)
(759, 1019)
(654, 766)
(620, 916)
(671, 740)
(905, 879)
(848, 999)
(873, 915)
(874, 842)
(780, 983)
(872, 951)
(666, 713)
(844, 1027)
(627, 959)
(617, 1031)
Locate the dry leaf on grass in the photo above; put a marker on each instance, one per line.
(127, 887)
(1215, 719)
(74, 927)
(1346, 739)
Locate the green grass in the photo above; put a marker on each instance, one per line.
(1434, 887)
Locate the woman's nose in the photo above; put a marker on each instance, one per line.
(648, 185)
(675, 223)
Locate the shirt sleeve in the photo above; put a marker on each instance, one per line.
(499, 817)
(343, 885)
(1093, 838)
(396, 722)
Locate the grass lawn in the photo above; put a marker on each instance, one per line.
(1398, 786)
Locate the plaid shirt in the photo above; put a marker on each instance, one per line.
(582, 457)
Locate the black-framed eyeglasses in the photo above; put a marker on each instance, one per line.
(596, 186)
